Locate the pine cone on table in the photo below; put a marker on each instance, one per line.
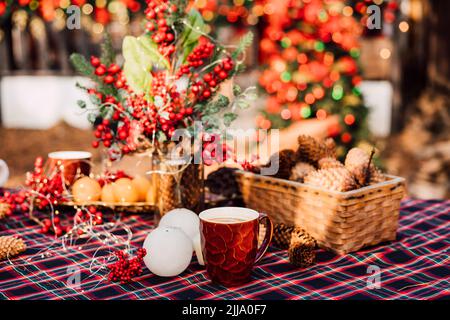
(328, 163)
(312, 150)
(302, 249)
(282, 235)
(333, 179)
(300, 170)
(11, 246)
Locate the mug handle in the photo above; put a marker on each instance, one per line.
(267, 237)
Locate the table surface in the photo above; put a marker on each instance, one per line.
(415, 266)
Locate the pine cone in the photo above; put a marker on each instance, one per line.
(357, 161)
(334, 179)
(311, 150)
(328, 163)
(286, 161)
(282, 235)
(223, 182)
(11, 246)
(302, 249)
(331, 146)
(300, 170)
(376, 176)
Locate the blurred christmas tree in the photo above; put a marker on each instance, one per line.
(311, 52)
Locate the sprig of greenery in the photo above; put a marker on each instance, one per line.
(82, 66)
(108, 55)
(245, 42)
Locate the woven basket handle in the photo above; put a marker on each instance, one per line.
(263, 218)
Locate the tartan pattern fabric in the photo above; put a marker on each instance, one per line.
(415, 266)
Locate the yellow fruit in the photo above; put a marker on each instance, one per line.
(108, 193)
(152, 196)
(86, 189)
(142, 186)
(124, 191)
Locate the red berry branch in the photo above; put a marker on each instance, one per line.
(126, 268)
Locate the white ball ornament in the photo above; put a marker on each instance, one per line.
(169, 251)
(184, 219)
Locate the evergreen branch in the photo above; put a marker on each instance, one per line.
(108, 55)
(245, 42)
(81, 65)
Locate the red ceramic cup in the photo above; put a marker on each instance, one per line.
(73, 164)
(229, 239)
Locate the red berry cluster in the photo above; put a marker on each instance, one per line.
(203, 51)
(50, 187)
(91, 214)
(203, 90)
(15, 201)
(103, 133)
(54, 227)
(111, 74)
(125, 268)
(214, 150)
(156, 14)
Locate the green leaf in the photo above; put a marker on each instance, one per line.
(222, 101)
(228, 118)
(81, 65)
(81, 104)
(237, 89)
(244, 43)
(94, 99)
(192, 31)
(139, 80)
(242, 103)
(92, 117)
(151, 51)
(108, 55)
(141, 54)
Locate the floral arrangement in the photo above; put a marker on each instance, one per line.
(173, 75)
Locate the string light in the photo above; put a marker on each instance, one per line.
(385, 53)
(403, 26)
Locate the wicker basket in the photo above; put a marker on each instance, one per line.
(341, 221)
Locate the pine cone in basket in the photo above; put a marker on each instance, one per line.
(334, 179)
(312, 150)
(328, 163)
(11, 246)
(223, 182)
(300, 170)
(286, 161)
(302, 249)
(359, 163)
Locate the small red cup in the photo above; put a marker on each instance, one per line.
(229, 239)
(73, 164)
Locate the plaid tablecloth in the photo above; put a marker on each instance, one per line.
(416, 266)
